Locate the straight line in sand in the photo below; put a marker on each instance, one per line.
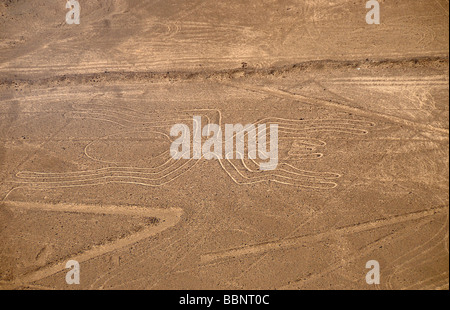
(330, 104)
(167, 217)
(316, 237)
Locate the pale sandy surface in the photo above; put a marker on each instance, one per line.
(85, 116)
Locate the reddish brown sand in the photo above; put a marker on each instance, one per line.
(85, 116)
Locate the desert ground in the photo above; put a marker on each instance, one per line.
(85, 170)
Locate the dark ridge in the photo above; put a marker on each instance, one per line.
(244, 72)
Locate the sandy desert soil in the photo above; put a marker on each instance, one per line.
(85, 170)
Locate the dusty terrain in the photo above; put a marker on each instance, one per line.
(85, 170)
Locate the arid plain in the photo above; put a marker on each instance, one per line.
(85, 170)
